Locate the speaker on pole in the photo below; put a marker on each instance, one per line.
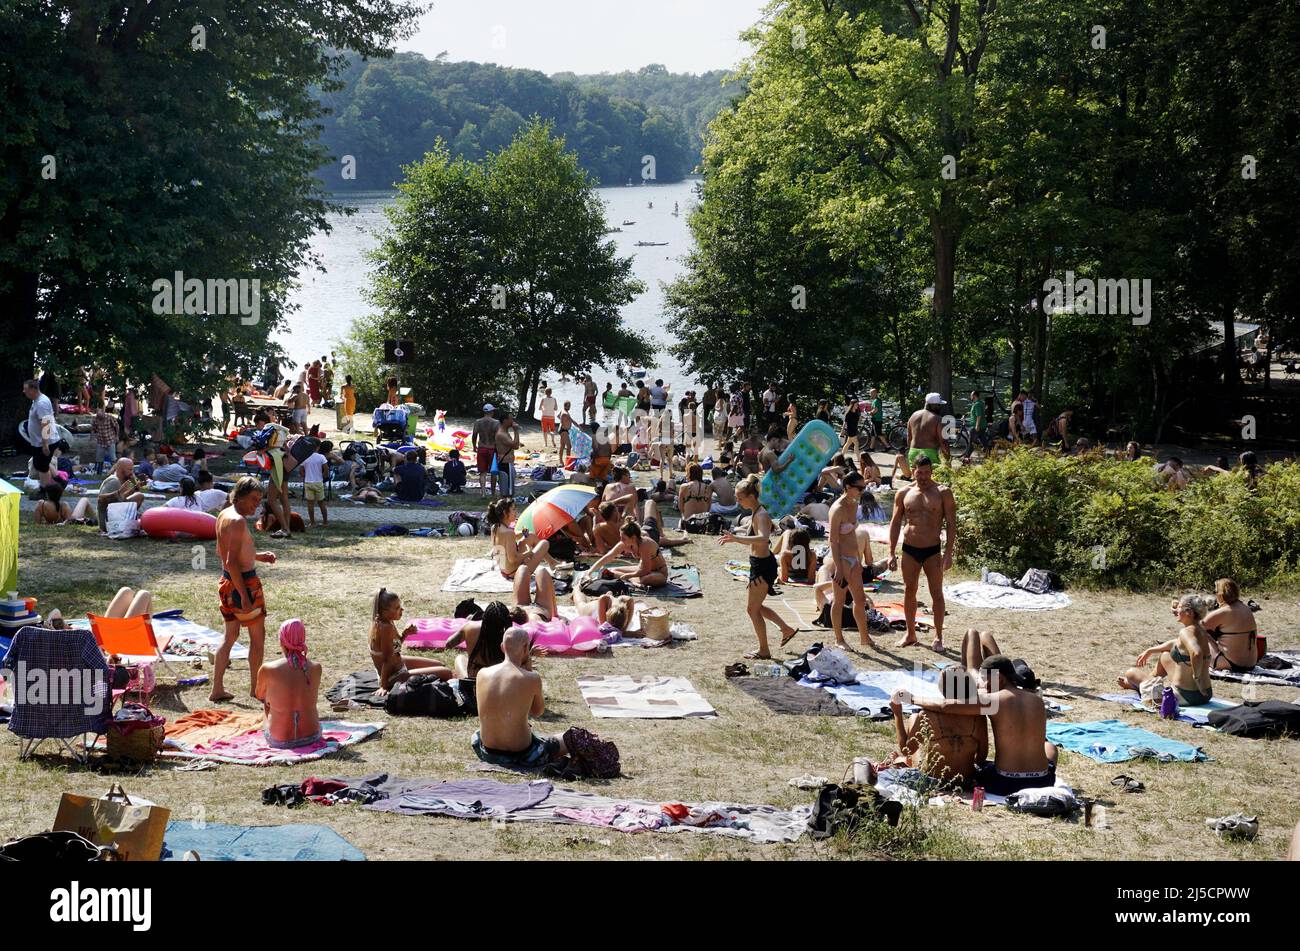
(399, 351)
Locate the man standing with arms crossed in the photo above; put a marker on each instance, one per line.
(923, 511)
(240, 590)
(484, 437)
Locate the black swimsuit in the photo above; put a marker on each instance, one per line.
(922, 555)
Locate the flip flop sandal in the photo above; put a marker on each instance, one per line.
(755, 655)
(1128, 784)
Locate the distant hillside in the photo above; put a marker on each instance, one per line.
(390, 112)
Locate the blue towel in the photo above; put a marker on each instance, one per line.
(287, 843)
(1112, 741)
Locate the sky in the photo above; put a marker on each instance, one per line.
(589, 36)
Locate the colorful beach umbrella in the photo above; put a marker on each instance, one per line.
(553, 510)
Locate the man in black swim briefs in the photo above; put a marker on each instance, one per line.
(924, 513)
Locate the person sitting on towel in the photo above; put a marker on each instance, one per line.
(1183, 661)
(943, 745)
(508, 694)
(410, 479)
(386, 644)
(1231, 629)
(1022, 757)
(454, 473)
(289, 690)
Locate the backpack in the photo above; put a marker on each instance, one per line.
(1258, 718)
(425, 695)
(1038, 581)
(589, 755)
(716, 524)
(696, 524)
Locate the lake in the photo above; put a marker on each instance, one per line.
(330, 301)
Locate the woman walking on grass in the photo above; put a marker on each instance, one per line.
(763, 568)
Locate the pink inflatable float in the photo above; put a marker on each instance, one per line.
(178, 523)
(579, 636)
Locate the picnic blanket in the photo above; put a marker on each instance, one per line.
(1112, 741)
(870, 696)
(979, 594)
(217, 842)
(476, 576)
(180, 639)
(783, 695)
(755, 823)
(1283, 677)
(251, 749)
(644, 697)
(1200, 714)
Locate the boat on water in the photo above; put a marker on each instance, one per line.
(651, 244)
(626, 223)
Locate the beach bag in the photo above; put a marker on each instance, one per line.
(139, 738)
(304, 447)
(135, 830)
(656, 624)
(589, 755)
(425, 695)
(1036, 581)
(595, 587)
(696, 524)
(122, 520)
(1152, 690)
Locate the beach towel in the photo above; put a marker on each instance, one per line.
(360, 686)
(1112, 741)
(683, 582)
(1283, 677)
(466, 799)
(783, 695)
(755, 823)
(216, 842)
(645, 697)
(870, 696)
(181, 640)
(251, 749)
(978, 594)
(1200, 715)
(476, 576)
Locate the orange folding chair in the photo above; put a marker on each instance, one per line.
(131, 638)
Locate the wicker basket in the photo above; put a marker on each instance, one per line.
(139, 744)
(656, 624)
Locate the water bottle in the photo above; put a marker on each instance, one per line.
(1169, 704)
(768, 670)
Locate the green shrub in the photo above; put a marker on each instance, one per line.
(1098, 521)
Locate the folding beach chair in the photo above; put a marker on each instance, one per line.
(61, 689)
(128, 637)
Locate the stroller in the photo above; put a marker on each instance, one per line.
(368, 458)
(392, 431)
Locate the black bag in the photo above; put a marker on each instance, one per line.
(696, 524)
(849, 806)
(303, 447)
(425, 695)
(1258, 718)
(595, 587)
(716, 524)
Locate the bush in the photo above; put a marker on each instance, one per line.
(1098, 521)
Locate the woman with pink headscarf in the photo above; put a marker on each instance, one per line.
(289, 689)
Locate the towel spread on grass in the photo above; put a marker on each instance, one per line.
(249, 747)
(683, 582)
(1282, 677)
(643, 697)
(870, 696)
(360, 686)
(1112, 741)
(978, 594)
(476, 576)
(755, 823)
(1199, 714)
(466, 799)
(783, 695)
(215, 842)
(181, 640)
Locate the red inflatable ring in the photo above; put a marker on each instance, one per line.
(176, 523)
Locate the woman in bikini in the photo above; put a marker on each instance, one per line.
(607, 608)
(1183, 661)
(517, 561)
(1232, 630)
(694, 495)
(763, 568)
(943, 745)
(650, 570)
(791, 419)
(846, 562)
(652, 524)
(386, 644)
(870, 471)
(52, 510)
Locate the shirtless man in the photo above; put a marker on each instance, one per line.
(240, 590)
(943, 745)
(1023, 759)
(607, 529)
(508, 694)
(484, 440)
(925, 433)
(289, 689)
(621, 491)
(928, 510)
(845, 572)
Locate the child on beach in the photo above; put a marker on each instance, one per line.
(386, 644)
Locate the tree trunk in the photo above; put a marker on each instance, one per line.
(945, 269)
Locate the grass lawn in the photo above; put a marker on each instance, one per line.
(748, 754)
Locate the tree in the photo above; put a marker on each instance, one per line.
(500, 271)
(143, 138)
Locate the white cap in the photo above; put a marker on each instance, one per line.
(931, 398)
(488, 408)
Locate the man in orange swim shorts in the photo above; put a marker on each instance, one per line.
(243, 603)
